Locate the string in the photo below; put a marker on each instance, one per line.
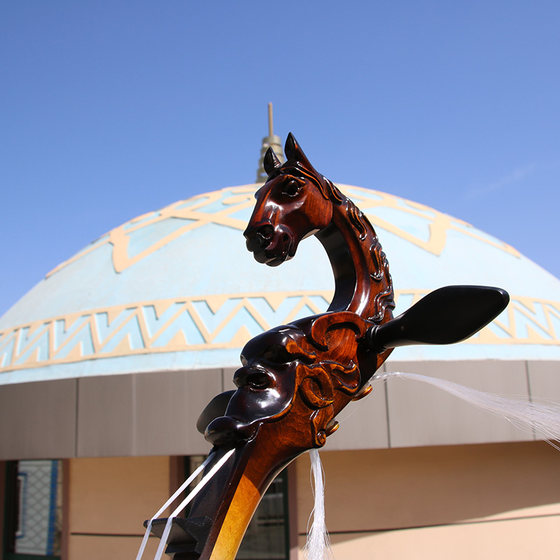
(187, 500)
(317, 546)
(175, 495)
(542, 417)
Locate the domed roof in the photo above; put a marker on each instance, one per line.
(176, 289)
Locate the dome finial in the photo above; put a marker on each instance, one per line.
(270, 141)
(270, 125)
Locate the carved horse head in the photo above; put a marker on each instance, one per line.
(295, 202)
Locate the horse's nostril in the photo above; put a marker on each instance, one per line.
(265, 234)
(259, 237)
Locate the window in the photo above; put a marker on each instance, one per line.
(33, 509)
(267, 537)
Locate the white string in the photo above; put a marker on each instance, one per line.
(542, 417)
(189, 480)
(317, 546)
(189, 498)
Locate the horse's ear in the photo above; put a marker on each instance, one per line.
(295, 153)
(270, 161)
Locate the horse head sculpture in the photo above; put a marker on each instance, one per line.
(296, 202)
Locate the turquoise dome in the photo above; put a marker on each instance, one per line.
(176, 289)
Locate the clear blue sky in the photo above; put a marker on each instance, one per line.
(112, 109)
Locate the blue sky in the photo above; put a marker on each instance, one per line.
(112, 109)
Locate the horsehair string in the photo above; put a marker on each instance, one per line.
(219, 464)
(317, 546)
(542, 417)
(175, 495)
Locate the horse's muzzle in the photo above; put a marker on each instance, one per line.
(259, 237)
(270, 245)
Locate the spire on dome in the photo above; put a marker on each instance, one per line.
(270, 141)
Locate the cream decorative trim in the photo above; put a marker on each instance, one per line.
(221, 322)
(198, 211)
(439, 224)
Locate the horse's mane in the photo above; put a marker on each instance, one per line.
(360, 223)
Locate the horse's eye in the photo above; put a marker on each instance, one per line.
(277, 354)
(258, 380)
(291, 188)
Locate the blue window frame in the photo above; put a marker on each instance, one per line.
(33, 510)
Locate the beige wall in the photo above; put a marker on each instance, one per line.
(155, 413)
(423, 415)
(114, 415)
(38, 420)
(459, 502)
(475, 501)
(533, 538)
(109, 500)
